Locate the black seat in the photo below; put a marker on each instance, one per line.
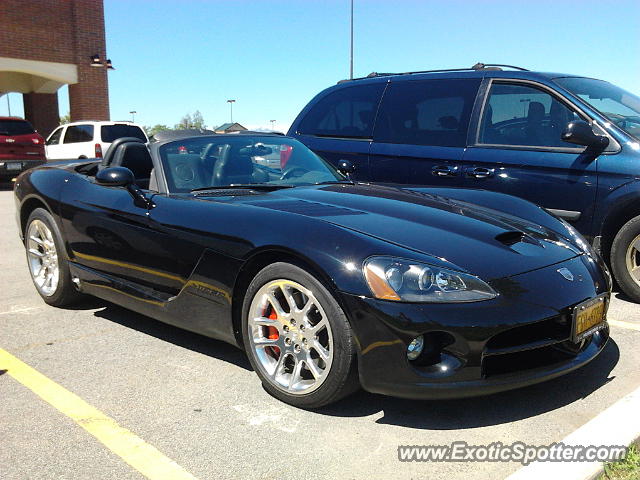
(110, 153)
(233, 169)
(186, 171)
(534, 128)
(136, 157)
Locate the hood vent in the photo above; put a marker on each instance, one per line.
(511, 237)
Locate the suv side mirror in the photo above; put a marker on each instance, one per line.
(115, 177)
(346, 167)
(580, 132)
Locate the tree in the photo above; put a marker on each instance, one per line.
(65, 119)
(198, 121)
(185, 122)
(151, 131)
(189, 121)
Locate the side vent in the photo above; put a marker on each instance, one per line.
(510, 238)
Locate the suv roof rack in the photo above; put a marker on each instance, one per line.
(477, 66)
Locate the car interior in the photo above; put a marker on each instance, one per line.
(205, 162)
(537, 128)
(217, 164)
(200, 163)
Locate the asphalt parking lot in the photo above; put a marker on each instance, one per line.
(197, 401)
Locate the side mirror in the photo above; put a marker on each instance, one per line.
(115, 177)
(346, 167)
(123, 177)
(580, 132)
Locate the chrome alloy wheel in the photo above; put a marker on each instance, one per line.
(43, 258)
(633, 259)
(290, 336)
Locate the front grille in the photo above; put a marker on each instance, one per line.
(527, 347)
(551, 330)
(524, 360)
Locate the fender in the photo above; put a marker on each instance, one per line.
(42, 185)
(617, 208)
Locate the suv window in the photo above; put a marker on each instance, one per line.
(346, 113)
(427, 112)
(78, 133)
(54, 139)
(521, 115)
(109, 133)
(15, 127)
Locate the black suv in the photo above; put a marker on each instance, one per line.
(570, 144)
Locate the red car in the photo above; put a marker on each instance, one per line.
(21, 147)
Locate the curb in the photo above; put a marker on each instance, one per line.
(617, 425)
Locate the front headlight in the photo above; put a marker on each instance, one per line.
(406, 281)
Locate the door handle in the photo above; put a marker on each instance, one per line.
(480, 172)
(445, 171)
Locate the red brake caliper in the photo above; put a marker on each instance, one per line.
(272, 334)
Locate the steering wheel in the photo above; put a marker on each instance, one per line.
(290, 172)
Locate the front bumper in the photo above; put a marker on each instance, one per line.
(520, 338)
(12, 168)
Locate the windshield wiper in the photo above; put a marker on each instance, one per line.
(332, 182)
(250, 186)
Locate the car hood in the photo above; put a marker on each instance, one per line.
(464, 236)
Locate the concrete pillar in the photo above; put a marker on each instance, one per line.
(41, 109)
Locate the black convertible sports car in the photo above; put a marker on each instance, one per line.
(326, 284)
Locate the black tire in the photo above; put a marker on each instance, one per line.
(65, 293)
(341, 379)
(629, 233)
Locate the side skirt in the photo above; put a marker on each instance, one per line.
(208, 315)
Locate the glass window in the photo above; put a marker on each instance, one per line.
(15, 127)
(78, 133)
(109, 133)
(227, 160)
(346, 113)
(619, 106)
(54, 138)
(429, 112)
(521, 115)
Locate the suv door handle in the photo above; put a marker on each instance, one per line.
(480, 172)
(445, 171)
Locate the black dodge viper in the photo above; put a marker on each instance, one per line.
(326, 283)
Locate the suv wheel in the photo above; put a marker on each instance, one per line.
(625, 258)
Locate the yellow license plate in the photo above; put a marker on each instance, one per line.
(589, 317)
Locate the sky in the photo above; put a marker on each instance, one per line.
(272, 56)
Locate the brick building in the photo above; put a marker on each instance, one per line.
(45, 44)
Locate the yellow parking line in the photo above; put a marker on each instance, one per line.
(145, 458)
(629, 325)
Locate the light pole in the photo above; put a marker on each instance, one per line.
(231, 102)
(133, 116)
(351, 56)
(8, 104)
(273, 124)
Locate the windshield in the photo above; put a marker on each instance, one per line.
(226, 160)
(618, 105)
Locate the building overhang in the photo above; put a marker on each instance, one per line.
(31, 76)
